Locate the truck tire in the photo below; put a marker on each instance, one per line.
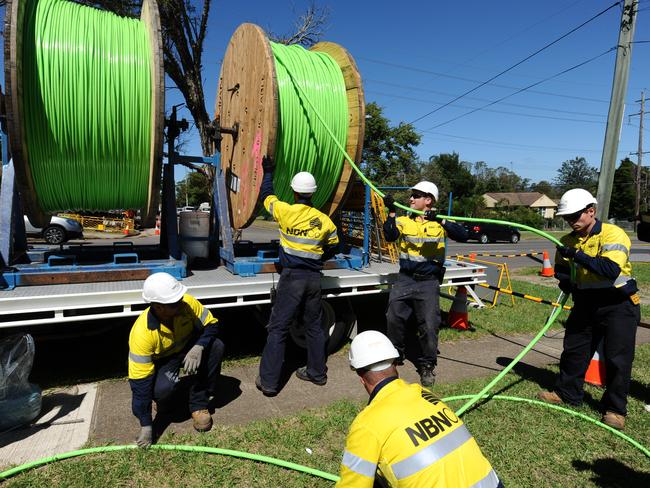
(338, 320)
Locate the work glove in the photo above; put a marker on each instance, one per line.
(389, 203)
(193, 359)
(567, 252)
(268, 165)
(431, 215)
(146, 436)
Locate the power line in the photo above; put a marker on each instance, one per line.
(477, 141)
(428, 90)
(518, 63)
(460, 78)
(535, 116)
(526, 88)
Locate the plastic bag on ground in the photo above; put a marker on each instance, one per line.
(20, 400)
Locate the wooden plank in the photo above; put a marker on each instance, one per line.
(150, 16)
(84, 277)
(357, 120)
(248, 96)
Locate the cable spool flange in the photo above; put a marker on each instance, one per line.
(248, 101)
(14, 70)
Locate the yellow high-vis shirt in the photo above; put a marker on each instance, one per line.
(304, 230)
(413, 440)
(150, 339)
(420, 240)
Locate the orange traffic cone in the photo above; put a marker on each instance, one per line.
(595, 374)
(547, 269)
(157, 231)
(457, 318)
(472, 257)
(126, 230)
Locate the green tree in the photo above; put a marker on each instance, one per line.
(196, 187)
(623, 191)
(576, 173)
(450, 174)
(389, 157)
(544, 187)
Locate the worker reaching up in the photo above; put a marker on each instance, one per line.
(422, 267)
(307, 239)
(605, 306)
(172, 342)
(405, 436)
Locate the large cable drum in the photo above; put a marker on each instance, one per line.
(85, 107)
(265, 95)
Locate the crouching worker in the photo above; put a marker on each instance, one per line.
(172, 342)
(406, 437)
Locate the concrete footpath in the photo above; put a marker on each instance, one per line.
(101, 413)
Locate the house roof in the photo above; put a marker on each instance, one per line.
(521, 198)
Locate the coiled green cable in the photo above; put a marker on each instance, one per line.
(87, 106)
(303, 143)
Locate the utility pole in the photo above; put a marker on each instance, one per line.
(637, 180)
(616, 108)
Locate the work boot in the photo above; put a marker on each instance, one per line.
(265, 391)
(202, 420)
(550, 397)
(302, 374)
(427, 376)
(614, 420)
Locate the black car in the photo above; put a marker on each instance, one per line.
(485, 233)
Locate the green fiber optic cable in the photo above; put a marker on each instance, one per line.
(166, 447)
(87, 106)
(303, 144)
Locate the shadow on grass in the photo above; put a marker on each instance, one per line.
(544, 378)
(612, 473)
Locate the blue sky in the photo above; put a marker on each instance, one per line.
(415, 56)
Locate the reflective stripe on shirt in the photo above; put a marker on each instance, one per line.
(490, 481)
(416, 258)
(432, 453)
(204, 315)
(420, 240)
(302, 254)
(615, 247)
(136, 358)
(359, 465)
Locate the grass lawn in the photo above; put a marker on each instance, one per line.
(528, 445)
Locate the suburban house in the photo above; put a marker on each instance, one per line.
(532, 199)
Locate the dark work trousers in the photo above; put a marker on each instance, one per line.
(616, 321)
(202, 384)
(422, 299)
(299, 290)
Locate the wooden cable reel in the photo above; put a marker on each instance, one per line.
(247, 103)
(14, 25)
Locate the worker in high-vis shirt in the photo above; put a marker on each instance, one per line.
(307, 239)
(405, 436)
(172, 342)
(421, 270)
(605, 306)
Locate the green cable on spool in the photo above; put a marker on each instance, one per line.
(303, 144)
(87, 101)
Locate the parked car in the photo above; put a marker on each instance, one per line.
(58, 231)
(485, 233)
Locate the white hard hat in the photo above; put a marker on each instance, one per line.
(162, 288)
(574, 200)
(304, 182)
(427, 187)
(372, 350)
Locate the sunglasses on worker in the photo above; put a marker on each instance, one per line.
(416, 194)
(575, 215)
